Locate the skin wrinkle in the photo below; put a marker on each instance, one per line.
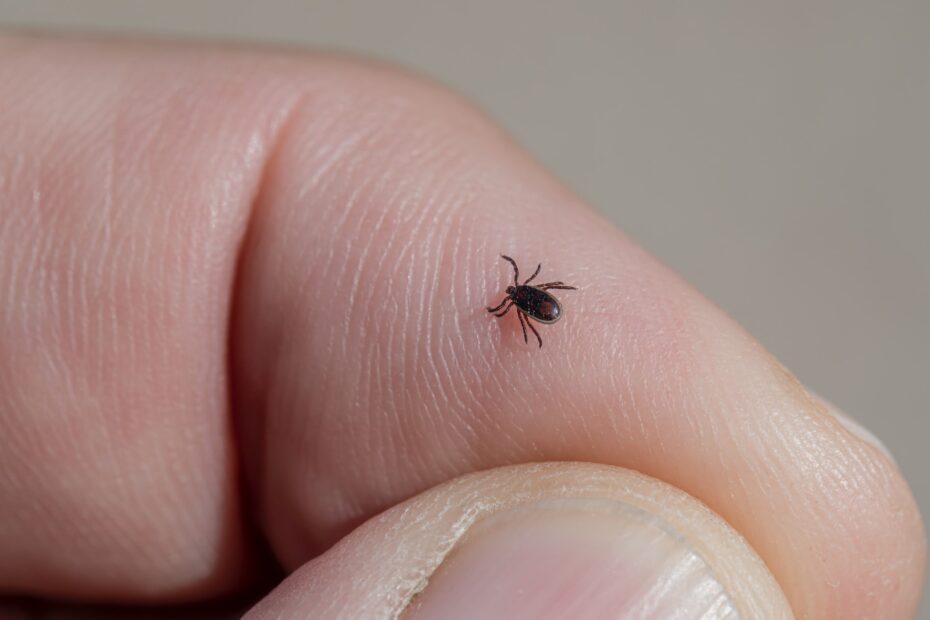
(81, 304)
(181, 260)
(106, 236)
(395, 400)
(800, 457)
(425, 327)
(337, 161)
(465, 433)
(480, 367)
(345, 268)
(410, 357)
(384, 424)
(438, 366)
(428, 292)
(297, 102)
(387, 424)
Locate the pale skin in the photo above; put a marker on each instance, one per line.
(243, 299)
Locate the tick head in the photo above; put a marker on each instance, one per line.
(510, 290)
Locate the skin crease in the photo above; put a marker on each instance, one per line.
(218, 256)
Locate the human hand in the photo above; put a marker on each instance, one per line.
(243, 303)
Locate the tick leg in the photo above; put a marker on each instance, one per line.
(549, 284)
(523, 323)
(505, 310)
(500, 305)
(535, 273)
(563, 287)
(528, 322)
(516, 270)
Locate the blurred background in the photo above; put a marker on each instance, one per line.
(777, 154)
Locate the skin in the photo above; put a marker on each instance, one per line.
(243, 310)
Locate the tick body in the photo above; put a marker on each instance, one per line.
(531, 302)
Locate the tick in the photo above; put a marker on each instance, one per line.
(532, 302)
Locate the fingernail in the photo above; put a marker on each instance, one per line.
(572, 558)
(854, 427)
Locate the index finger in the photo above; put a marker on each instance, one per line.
(369, 369)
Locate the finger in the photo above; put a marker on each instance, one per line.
(536, 541)
(367, 368)
(126, 178)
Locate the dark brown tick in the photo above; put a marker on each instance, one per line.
(532, 302)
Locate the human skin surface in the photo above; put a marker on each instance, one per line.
(242, 303)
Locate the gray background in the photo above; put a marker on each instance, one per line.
(777, 154)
